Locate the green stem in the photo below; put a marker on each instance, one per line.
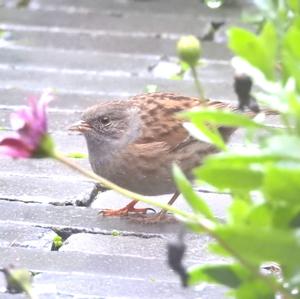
(205, 224)
(197, 82)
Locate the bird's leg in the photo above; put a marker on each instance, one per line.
(126, 210)
(162, 215)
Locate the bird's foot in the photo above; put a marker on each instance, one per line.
(160, 217)
(125, 211)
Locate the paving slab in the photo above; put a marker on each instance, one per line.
(80, 262)
(80, 219)
(102, 42)
(43, 189)
(103, 64)
(119, 245)
(194, 8)
(90, 83)
(126, 24)
(26, 236)
(12, 97)
(93, 286)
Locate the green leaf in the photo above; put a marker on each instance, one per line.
(221, 274)
(221, 117)
(281, 184)
(268, 37)
(233, 178)
(195, 201)
(258, 245)
(206, 134)
(242, 212)
(259, 216)
(285, 216)
(294, 5)
(255, 49)
(254, 289)
(242, 159)
(238, 211)
(291, 54)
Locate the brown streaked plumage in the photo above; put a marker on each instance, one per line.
(133, 143)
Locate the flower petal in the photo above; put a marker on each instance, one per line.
(14, 148)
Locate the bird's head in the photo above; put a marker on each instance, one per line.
(108, 122)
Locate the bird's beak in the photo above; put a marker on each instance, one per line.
(81, 126)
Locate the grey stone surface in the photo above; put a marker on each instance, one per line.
(80, 262)
(93, 286)
(42, 189)
(106, 24)
(87, 84)
(194, 8)
(151, 248)
(12, 235)
(218, 202)
(89, 41)
(104, 64)
(79, 219)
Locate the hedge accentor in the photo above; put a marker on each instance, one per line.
(134, 142)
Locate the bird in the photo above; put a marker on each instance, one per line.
(135, 142)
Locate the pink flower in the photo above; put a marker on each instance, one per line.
(30, 126)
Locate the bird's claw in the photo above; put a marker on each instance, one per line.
(124, 212)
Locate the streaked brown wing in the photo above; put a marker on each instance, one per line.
(160, 123)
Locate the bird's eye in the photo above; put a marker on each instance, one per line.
(105, 120)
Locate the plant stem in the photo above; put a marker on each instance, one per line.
(197, 83)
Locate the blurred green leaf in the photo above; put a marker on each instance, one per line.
(260, 216)
(221, 274)
(258, 245)
(268, 38)
(254, 289)
(282, 184)
(294, 5)
(202, 132)
(238, 211)
(233, 178)
(260, 51)
(287, 216)
(221, 117)
(242, 159)
(196, 202)
(291, 53)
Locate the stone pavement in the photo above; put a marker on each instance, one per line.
(88, 51)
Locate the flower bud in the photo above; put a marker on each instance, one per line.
(189, 50)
